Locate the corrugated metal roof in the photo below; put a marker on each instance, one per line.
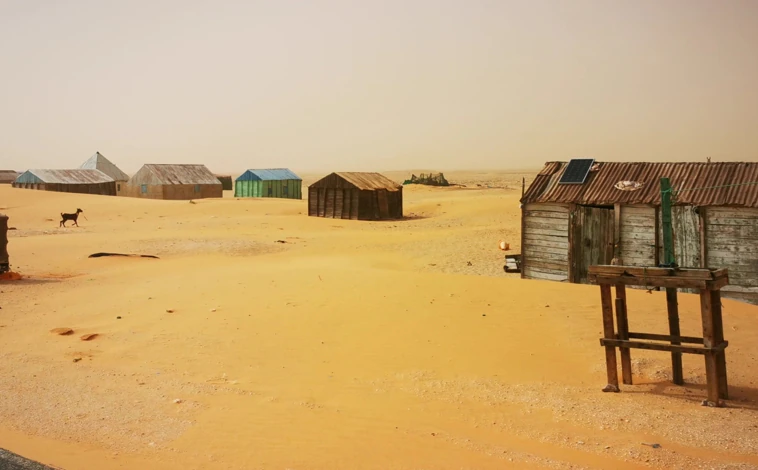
(99, 162)
(268, 174)
(158, 174)
(79, 176)
(8, 176)
(715, 184)
(369, 181)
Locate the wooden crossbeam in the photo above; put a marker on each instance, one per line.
(667, 338)
(674, 282)
(663, 347)
(703, 274)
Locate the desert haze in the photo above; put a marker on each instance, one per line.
(265, 339)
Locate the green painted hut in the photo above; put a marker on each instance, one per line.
(273, 182)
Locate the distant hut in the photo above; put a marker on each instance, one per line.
(4, 259)
(575, 219)
(68, 181)
(8, 176)
(171, 181)
(226, 182)
(274, 182)
(99, 162)
(357, 196)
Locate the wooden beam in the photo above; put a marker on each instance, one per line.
(711, 367)
(523, 241)
(610, 350)
(623, 334)
(718, 337)
(667, 338)
(572, 244)
(672, 305)
(618, 343)
(651, 282)
(640, 271)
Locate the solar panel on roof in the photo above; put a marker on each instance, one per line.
(577, 171)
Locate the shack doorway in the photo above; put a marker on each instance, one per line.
(593, 228)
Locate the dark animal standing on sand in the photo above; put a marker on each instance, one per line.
(66, 217)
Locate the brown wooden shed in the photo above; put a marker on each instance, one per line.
(8, 176)
(357, 196)
(615, 212)
(173, 181)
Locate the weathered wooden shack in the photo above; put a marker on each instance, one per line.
(357, 196)
(272, 182)
(8, 176)
(226, 182)
(173, 181)
(615, 213)
(68, 181)
(99, 162)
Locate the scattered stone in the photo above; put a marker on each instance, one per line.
(654, 446)
(118, 318)
(213, 310)
(607, 447)
(89, 336)
(62, 331)
(434, 434)
(77, 359)
(178, 400)
(484, 314)
(169, 310)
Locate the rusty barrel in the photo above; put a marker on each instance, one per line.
(4, 262)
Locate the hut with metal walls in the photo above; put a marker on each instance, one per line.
(8, 176)
(357, 196)
(99, 162)
(584, 213)
(273, 182)
(68, 181)
(173, 181)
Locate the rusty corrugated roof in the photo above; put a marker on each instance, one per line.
(700, 184)
(368, 181)
(78, 176)
(159, 174)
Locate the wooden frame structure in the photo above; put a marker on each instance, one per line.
(712, 345)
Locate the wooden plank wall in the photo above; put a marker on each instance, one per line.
(731, 236)
(638, 236)
(546, 245)
(593, 240)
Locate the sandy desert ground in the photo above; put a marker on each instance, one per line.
(353, 345)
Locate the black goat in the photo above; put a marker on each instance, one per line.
(74, 216)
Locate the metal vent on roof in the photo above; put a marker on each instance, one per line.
(577, 171)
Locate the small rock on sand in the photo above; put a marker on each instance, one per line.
(89, 336)
(62, 331)
(169, 310)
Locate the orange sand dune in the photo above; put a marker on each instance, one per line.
(353, 345)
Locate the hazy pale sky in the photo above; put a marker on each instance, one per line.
(376, 85)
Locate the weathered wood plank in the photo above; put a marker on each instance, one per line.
(735, 262)
(546, 207)
(718, 338)
(547, 253)
(608, 333)
(716, 221)
(731, 232)
(554, 243)
(667, 338)
(547, 215)
(554, 265)
(544, 232)
(631, 221)
(747, 297)
(711, 367)
(672, 305)
(640, 210)
(642, 235)
(546, 224)
(542, 274)
(622, 323)
(663, 347)
(733, 212)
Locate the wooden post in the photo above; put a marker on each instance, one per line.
(676, 358)
(523, 187)
(718, 337)
(668, 231)
(610, 351)
(622, 320)
(711, 366)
